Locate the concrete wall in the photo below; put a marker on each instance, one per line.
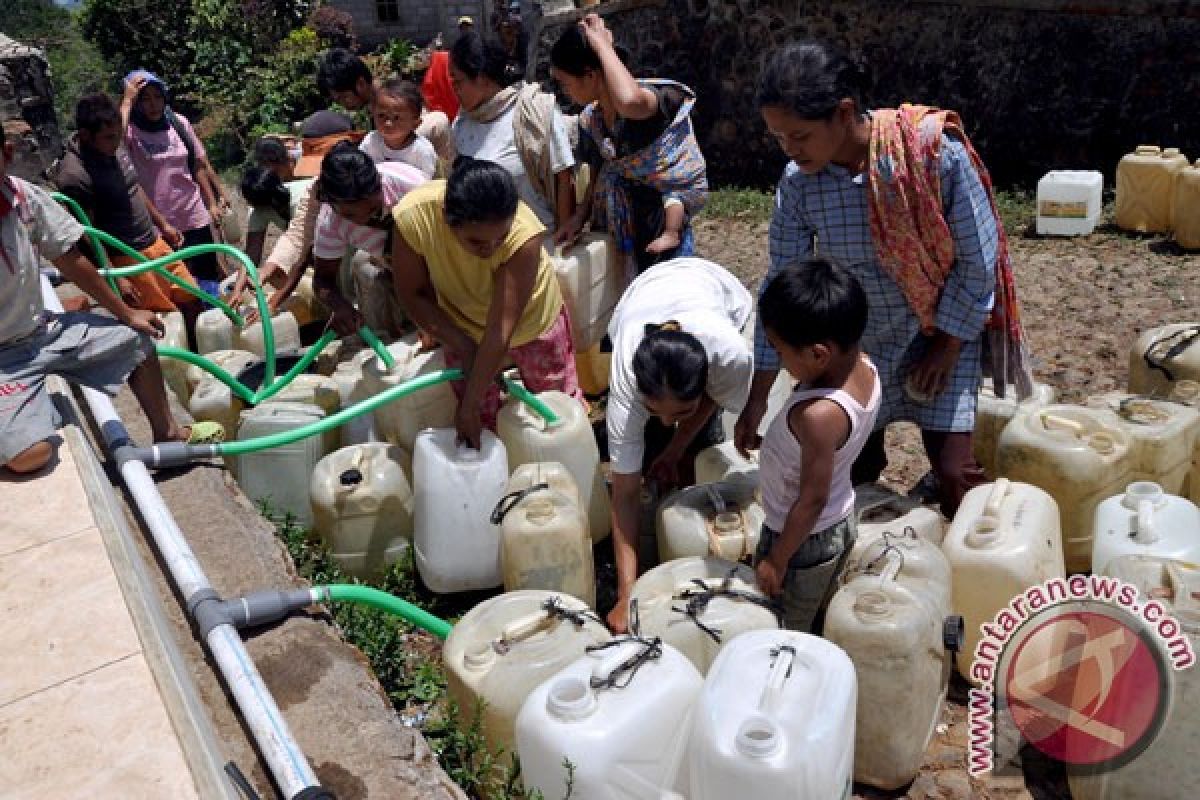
(420, 20)
(27, 108)
(1040, 84)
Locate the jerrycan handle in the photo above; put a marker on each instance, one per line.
(521, 629)
(782, 659)
(1145, 533)
(996, 497)
(1054, 421)
(1185, 587)
(511, 500)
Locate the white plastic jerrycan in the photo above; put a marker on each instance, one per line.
(363, 507)
(1146, 189)
(232, 361)
(993, 413)
(1185, 209)
(1005, 538)
(530, 439)
(722, 463)
(720, 519)
(213, 400)
(1163, 435)
(1079, 456)
(214, 331)
(775, 721)
(457, 546)
(284, 328)
(433, 407)
(1069, 202)
(1162, 356)
(882, 510)
(308, 388)
(175, 371)
(1145, 520)
(892, 617)
(280, 475)
(590, 277)
(352, 389)
(1168, 767)
(500, 651)
(544, 539)
(698, 604)
(618, 716)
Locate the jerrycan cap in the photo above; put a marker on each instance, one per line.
(571, 699)
(479, 656)
(350, 477)
(1170, 152)
(1140, 492)
(873, 605)
(759, 737)
(1148, 150)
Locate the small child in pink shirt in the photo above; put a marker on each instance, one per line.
(814, 314)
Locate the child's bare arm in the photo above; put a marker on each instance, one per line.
(820, 427)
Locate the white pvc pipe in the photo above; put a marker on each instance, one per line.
(283, 755)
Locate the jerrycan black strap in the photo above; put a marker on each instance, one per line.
(510, 501)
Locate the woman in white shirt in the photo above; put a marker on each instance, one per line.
(518, 127)
(679, 359)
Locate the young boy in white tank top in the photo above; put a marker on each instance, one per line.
(814, 314)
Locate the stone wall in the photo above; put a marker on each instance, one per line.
(27, 108)
(1040, 84)
(420, 20)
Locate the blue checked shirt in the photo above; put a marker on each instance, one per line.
(826, 214)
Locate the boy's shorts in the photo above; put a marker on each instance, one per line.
(83, 348)
(811, 578)
(156, 293)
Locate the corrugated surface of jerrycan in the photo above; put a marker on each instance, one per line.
(1145, 190)
(544, 539)
(720, 519)
(593, 369)
(352, 389)
(1163, 435)
(621, 728)
(501, 649)
(590, 278)
(215, 331)
(456, 544)
(1005, 538)
(232, 361)
(882, 510)
(175, 371)
(280, 475)
(214, 401)
(993, 413)
(285, 330)
(892, 617)
(529, 439)
(1186, 208)
(698, 604)
(722, 463)
(1168, 767)
(362, 506)
(1079, 456)
(1163, 356)
(775, 721)
(1147, 521)
(401, 420)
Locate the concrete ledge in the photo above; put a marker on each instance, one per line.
(187, 713)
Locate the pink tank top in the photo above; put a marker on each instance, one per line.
(780, 461)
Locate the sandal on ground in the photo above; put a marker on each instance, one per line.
(206, 432)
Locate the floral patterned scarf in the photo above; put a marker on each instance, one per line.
(913, 239)
(672, 164)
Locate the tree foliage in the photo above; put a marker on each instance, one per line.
(76, 65)
(147, 34)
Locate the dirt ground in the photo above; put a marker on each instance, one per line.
(1084, 301)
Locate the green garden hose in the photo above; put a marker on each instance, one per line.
(375, 598)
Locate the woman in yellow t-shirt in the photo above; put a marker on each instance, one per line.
(470, 270)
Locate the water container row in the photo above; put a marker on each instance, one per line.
(1157, 192)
